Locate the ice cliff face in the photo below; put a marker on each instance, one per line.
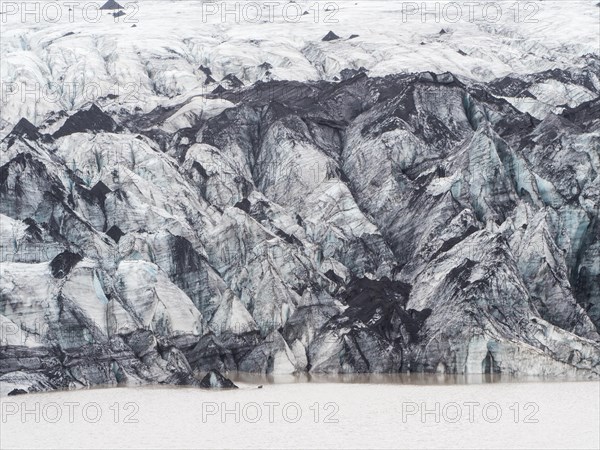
(421, 222)
(405, 223)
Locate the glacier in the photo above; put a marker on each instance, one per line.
(246, 196)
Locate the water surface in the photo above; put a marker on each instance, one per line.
(372, 411)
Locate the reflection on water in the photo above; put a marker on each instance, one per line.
(430, 379)
(388, 378)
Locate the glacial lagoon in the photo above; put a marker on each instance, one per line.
(358, 411)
